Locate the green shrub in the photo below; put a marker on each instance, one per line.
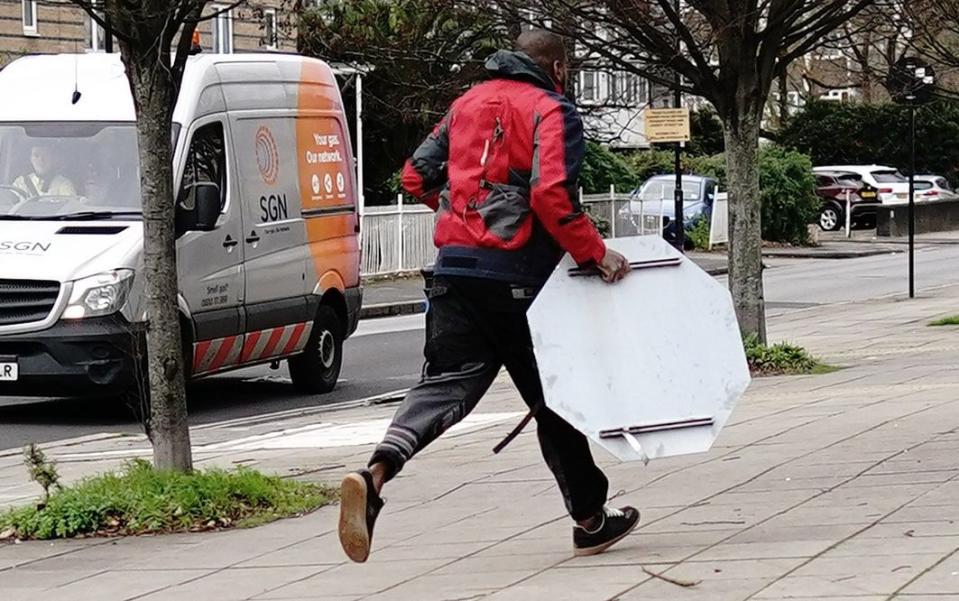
(789, 201)
(647, 163)
(834, 133)
(699, 234)
(709, 166)
(603, 168)
(947, 321)
(141, 500)
(779, 359)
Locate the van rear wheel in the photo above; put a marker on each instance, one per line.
(317, 369)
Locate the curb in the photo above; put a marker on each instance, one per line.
(419, 306)
(67, 442)
(393, 309)
(833, 254)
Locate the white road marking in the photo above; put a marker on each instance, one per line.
(315, 436)
(330, 435)
(390, 325)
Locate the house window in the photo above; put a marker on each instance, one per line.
(271, 36)
(589, 85)
(29, 16)
(614, 86)
(634, 89)
(97, 36)
(223, 30)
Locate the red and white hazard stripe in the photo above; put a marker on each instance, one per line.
(221, 353)
(213, 355)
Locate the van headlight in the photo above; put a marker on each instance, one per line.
(99, 295)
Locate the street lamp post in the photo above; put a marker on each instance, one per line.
(912, 82)
(678, 221)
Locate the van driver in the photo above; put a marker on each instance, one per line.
(45, 179)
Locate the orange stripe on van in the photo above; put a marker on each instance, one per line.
(326, 174)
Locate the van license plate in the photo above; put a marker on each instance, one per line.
(9, 369)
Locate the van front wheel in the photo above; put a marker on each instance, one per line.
(317, 369)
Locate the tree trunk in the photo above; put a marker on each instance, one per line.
(168, 429)
(783, 99)
(745, 232)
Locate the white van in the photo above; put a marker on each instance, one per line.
(267, 222)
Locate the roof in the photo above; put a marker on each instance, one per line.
(686, 178)
(41, 87)
(853, 168)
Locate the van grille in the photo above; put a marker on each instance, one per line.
(26, 301)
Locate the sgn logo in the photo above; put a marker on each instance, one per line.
(267, 156)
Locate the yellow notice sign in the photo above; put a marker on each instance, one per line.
(667, 125)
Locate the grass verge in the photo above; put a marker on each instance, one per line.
(143, 500)
(782, 359)
(947, 321)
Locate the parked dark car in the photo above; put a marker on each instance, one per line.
(832, 188)
(656, 196)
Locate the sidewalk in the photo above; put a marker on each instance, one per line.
(863, 243)
(839, 487)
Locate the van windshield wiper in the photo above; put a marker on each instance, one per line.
(90, 215)
(18, 218)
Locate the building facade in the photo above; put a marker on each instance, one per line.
(59, 26)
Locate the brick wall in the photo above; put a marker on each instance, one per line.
(62, 27)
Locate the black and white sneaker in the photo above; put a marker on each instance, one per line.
(614, 526)
(359, 506)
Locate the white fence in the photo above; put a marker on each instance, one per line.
(396, 238)
(399, 238)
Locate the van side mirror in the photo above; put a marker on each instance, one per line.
(198, 208)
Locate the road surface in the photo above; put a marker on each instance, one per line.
(385, 355)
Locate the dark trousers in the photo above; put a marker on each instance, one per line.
(474, 328)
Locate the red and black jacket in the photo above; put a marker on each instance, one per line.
(501, 169)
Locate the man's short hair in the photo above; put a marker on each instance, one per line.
(544, 47)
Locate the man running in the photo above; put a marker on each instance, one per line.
(501, 170)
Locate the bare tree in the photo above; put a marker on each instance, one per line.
(155, 39)
(935, 36)
(860, 53)
(729, 53)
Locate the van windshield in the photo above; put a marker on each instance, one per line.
(68, 170)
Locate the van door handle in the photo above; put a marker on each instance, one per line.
(230, 242)
(253, 238)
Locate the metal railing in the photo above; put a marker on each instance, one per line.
(399, 238)
(396, 238)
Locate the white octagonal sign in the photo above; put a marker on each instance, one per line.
(648, 367)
